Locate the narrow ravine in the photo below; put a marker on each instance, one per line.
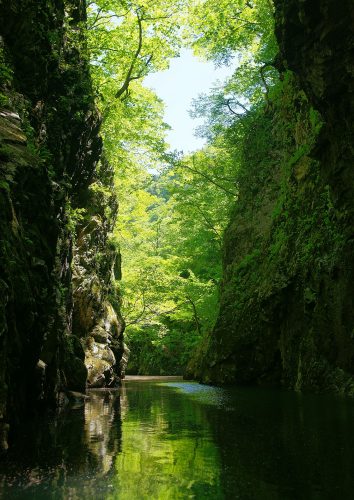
(129, 265)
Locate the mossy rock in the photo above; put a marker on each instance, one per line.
(75, 372)
(97, 370)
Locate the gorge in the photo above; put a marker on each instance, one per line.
(237, 258)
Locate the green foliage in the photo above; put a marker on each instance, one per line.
(170, 240)
(242, 34)
(6, 75)
(128, 40)
(74, 216)
(220, 29)
(160, 350)
(174, 208)
(4, 185)
(171, 216)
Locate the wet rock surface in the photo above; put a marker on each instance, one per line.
(50, 151)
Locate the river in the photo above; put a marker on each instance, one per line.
(170, 439)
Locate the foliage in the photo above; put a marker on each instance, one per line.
(6, 75)
(74, 216)
(240, 33)
(127, 40)
(225, 29)
(170, 234)
(174, 207)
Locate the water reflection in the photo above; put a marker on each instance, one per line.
(168, 449)
(103, 428)
(154, 440)
(281, 445)
(68, 456)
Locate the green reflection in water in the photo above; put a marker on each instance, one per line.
(168, 450)
(153, 440)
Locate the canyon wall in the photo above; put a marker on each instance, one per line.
(287, 307)
(57, 325)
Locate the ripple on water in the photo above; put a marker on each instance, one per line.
(178, 439)
(204, 394)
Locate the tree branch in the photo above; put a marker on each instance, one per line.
(261, 70)
(210, 225)
(195, 315)
(227, 103)
(245, 22)
(129, 76)
(238, 103)
(96, 18)
(99, 18)
(156, 18)
(208, 179)
(141, 315)
(142, 319)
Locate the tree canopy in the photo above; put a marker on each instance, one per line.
(174, 207)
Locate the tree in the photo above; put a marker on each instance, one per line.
(174, 207)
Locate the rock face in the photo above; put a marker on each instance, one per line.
(287, 311)
(96, 264)
(49, 164)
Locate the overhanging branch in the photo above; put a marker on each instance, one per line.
(129, 77)
(208, 178)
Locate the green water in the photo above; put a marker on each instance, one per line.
(167, 440)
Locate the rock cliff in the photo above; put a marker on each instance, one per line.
(56, 320)
(287, 312)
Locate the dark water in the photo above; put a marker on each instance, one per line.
(170, 440)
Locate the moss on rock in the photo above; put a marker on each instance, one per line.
(49, 152)
(286, 314)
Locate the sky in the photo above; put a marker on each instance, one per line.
(186, 78)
